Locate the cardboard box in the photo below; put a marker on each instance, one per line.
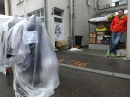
(93, 34)
(101, 25)
(77, 46)
(61, 43)
(9, 70)
(92, 40)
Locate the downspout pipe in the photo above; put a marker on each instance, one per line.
(69, 19)
(71, 24)
(6, 2)
(45, 13)
(128, 34)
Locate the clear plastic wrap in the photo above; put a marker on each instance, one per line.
(4, 57)
(35, 63)
(106, 18)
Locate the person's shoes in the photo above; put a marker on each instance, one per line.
(113, 55)
(108, 53)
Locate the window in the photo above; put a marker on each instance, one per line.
(117, 3)
(20, 1)
(124, 1)
(88, 2)
(58, 15)
(42, 13)
(39, 13)
(58, 12)
(57, 19)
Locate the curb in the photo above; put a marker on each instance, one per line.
(119, 75)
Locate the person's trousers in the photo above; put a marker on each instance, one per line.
(116, 36)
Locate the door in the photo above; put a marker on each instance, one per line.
(58, 24)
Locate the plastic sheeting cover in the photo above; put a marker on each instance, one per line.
(4, 60)
(98, 19)
(75, 49)
(35, 64)
(102, 19)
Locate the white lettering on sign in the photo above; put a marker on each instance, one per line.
(30, 37)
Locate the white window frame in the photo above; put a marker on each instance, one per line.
(35, 12)
(20, 1)
(88, 2)
(61, 17)
(58, 16)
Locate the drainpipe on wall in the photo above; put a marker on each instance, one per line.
(71, 24)
(45, 13)
(128, 33)
(25, 14)
(6, 7)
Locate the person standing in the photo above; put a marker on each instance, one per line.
(117, 27)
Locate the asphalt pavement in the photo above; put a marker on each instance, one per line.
(78, 83)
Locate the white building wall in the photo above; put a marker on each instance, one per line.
(33, 5)
(25, 7)
(16, 9)
(83, 12)
(102, 3)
